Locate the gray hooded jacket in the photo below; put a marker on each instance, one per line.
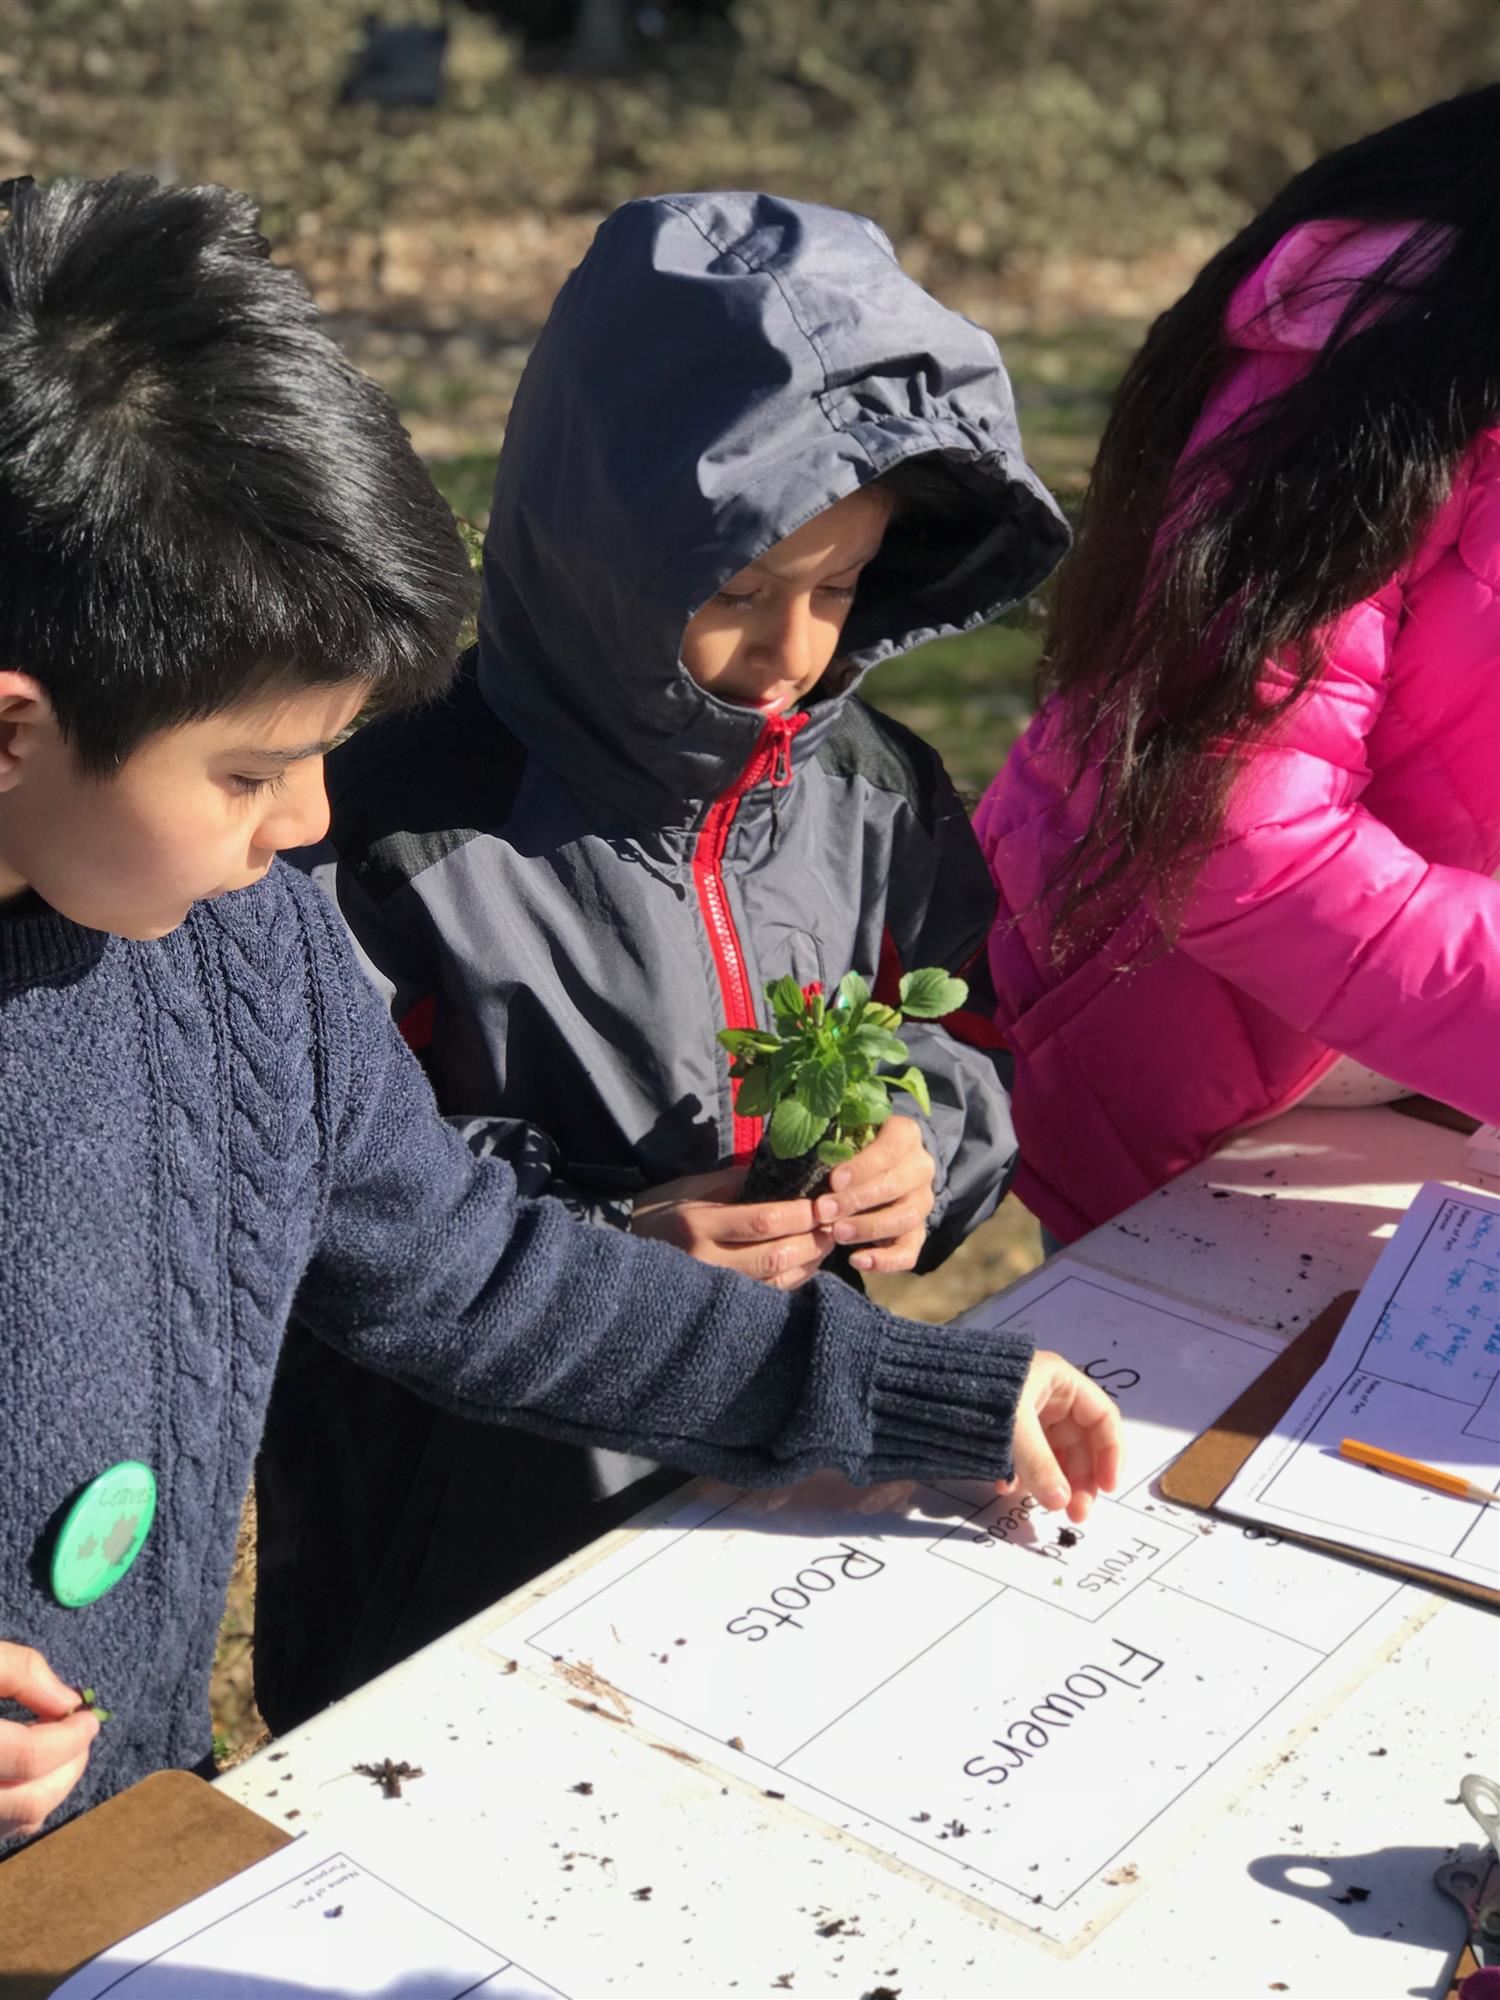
(570, 874)
(568, 877)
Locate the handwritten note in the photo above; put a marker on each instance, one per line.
(1416, 1370)
(947, 1673)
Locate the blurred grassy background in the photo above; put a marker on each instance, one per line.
(1058, 169)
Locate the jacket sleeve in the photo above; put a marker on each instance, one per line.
(1316, 908)
(399, 956)
(430, 1267)
(940, 904)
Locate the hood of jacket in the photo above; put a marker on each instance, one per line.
(719, 369)
(1293, 303)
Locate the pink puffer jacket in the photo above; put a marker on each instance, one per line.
(1348, 906)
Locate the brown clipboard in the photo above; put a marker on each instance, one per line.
(114, 1870)
(1199, 1477)
(1432, 1111)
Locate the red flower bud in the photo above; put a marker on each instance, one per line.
(812, 990)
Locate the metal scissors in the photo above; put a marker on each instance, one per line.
(1474, 1884)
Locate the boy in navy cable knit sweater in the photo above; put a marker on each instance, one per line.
(217, 549)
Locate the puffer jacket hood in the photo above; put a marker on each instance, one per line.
(719, 369)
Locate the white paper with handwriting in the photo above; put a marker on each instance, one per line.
(1021, 1710)
(1415, 1370)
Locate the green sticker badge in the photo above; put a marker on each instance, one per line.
(103, 1532)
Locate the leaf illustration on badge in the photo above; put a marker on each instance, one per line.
(120, 1537)
(87, 1548)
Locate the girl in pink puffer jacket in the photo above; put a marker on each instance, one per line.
(1246, 852)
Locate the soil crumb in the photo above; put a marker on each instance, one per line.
(390, 1775)
(579, 1674)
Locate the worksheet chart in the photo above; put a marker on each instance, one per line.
(1415, 1370)
(305, 1923)
(953, 1674)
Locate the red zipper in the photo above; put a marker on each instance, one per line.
(771, 758)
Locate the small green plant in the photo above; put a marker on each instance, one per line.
(91, 1700)
(822, 1077)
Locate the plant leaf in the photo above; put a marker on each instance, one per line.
(853, 991)
(787, 997)
(930, 993)
(787, 1060)
(836, 1152)
(745, 1041)
(912, 1080)
(795, 1129)
(880, 1016)
(879, 1044)
(821, 1085)
(864, 1103)
(756, 1095)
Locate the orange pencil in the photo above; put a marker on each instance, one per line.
(1413, 1469)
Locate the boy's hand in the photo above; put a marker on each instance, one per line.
(781, 1243)
(1067, 1443)
(885, 1194)
(40, 1762)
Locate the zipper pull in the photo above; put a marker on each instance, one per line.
(782, 729)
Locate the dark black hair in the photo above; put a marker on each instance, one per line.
(199, 496)
(1305, 506)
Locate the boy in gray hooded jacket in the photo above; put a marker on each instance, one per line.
(749, 460)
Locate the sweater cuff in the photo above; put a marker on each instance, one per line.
(943, 1402)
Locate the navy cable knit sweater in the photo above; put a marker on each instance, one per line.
(198, 1129)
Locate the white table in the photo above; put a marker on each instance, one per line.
(742, 1885)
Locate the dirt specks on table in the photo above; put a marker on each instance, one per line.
(583, 1676)
(390, 1775)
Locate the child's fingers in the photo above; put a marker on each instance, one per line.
(900, 1255)
(1097, 1417)
(769, 1221)
(869, 1197)
(1106, 1461)
(799, 1275)
(24, 1809)
(1089, 1455)
(895, 1162)
(908, 1180)
(30, 1752)
(888, 1145)
(26, 1677)
(907, 1211)
(1078, 1468)
(1076, 1457)
(1037, 1469)
(784, 1258)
